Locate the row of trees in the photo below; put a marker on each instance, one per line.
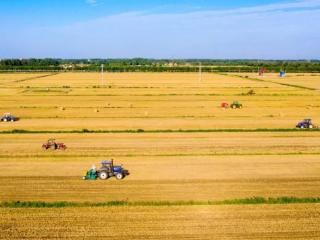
(155, 65)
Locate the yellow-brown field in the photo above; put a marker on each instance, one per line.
(309, 80)
(196, 222)
(164, 166)
(152, 101)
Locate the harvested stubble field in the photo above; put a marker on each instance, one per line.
(192, 222)
(191, 166)
(152, 101)
(302, 80)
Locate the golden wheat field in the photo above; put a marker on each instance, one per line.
(169, 131)
(151, 101)
(195, 222)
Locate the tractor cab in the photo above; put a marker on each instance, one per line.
(107, 165)
(308, 120)
(51, 141)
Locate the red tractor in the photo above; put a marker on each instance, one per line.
(52, 144)
(225, 105)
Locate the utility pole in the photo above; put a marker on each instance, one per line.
(200, 72)
(102, 75)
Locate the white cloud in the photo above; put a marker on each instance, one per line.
(288, 30)
(92, 2)
(282, 6)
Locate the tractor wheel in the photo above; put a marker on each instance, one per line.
(233, 107)
(301, 126)
(119, 176)
(53, 147)
(310, 126)
(103, 175)
(5, 120)
(12, 120)
(240, 107)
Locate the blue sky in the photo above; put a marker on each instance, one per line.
(267, 29)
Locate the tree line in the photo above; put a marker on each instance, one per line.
(158, 65)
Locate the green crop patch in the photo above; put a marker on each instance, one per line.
(245, 201)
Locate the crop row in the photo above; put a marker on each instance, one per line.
(245, 201)
(23, 131)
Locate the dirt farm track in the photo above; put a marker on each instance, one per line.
(192, 163)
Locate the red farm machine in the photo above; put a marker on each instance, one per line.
(225, 105)
(52, 144)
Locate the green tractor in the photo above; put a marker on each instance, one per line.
(236, 104)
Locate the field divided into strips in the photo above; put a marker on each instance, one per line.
(302, 80)
(194, 165)
(153, 101)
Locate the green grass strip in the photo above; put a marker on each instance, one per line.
(245, 201)
(23, 131)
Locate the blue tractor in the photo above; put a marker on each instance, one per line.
(282, 74)
(305, 124)
(106, 171)
(7, 117)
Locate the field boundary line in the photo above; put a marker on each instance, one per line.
(44, 155)
(141, 131)
(32, 78)
(269, 81)
(244, 201)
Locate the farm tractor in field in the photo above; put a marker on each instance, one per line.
(52, 144)
(7, 117)
(236, 105)
(106, 171)
(233, 105)
(306, 124)
(225, 105)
